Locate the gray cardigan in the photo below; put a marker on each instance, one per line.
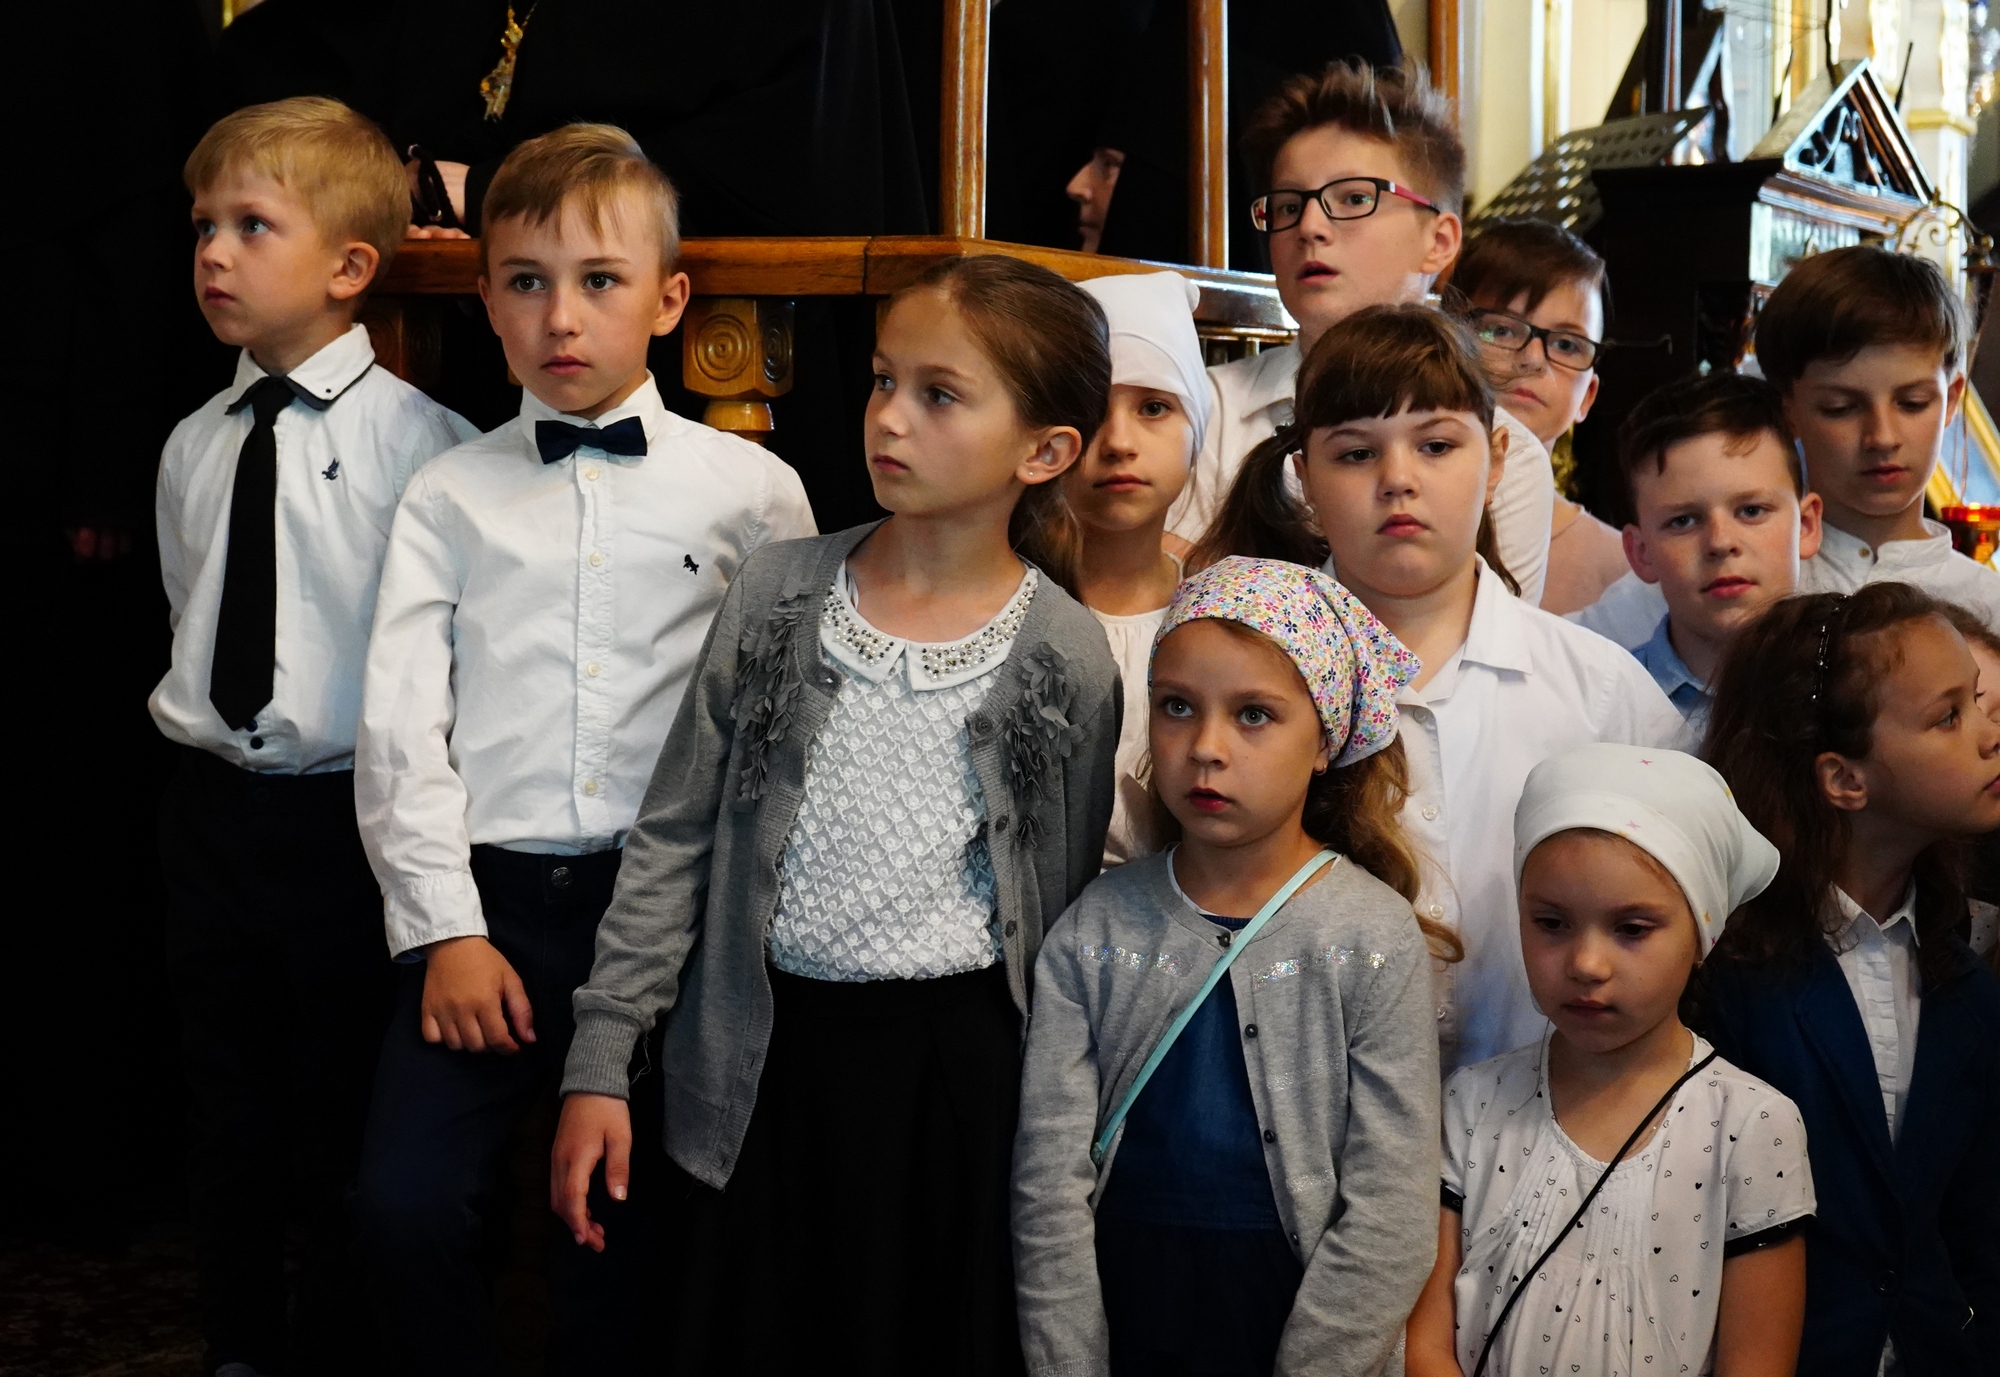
(1343, 1069)
(685, 934)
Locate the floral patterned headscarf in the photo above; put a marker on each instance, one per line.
(1352, 665)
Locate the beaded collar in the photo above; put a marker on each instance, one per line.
(851, 642)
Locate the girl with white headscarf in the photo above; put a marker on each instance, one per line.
(1120, 492)
(1616, 1198)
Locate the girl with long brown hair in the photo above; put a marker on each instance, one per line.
(1848, 727)
(892, 769)
(1241, 1193)
(1384, 479)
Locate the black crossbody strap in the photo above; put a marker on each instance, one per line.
(1576, 1220)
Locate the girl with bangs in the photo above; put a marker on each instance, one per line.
(1396, 455)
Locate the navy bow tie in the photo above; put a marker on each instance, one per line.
(557, 440)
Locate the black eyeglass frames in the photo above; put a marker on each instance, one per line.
(1506, 331)
(1350, 198)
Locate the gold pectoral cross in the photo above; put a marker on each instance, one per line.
(497, 85)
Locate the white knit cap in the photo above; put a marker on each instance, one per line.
(1153, 343)
(1669, 805)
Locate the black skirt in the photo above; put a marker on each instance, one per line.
(865, 1227)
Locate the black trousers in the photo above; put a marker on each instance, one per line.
(439, 1130)
(278, 966)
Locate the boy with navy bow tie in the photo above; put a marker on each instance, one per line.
(274, 503)
(547, 591)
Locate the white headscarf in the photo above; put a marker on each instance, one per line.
(1153, 343)
(1669, 805)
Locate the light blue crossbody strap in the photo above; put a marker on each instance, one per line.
(1167, 1040)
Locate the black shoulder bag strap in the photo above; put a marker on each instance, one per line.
(1576, 1220)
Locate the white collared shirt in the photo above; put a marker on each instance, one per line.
(344, 458)
(536, 629)
(1845, 563)
(1880, 963)
(1630, 608)
(1253, 397)
(1526, 685)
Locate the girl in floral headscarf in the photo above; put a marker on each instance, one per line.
(1265, 1086)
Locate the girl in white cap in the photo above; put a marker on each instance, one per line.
(1616, 1199)
(1120, 492)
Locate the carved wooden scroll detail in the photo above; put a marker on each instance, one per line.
(737, 352)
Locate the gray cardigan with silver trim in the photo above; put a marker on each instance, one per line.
(684, 938)
(1338, 1037)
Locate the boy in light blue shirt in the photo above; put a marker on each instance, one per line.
(1718, 517)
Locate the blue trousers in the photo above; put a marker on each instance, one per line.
(438, 1134)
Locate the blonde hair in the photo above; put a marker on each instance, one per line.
(337, 161)
(588, 164)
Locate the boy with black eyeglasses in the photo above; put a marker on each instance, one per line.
(1367, 174)
(1540, 300)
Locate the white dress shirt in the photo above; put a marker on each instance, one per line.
(1880, 963)
(1526, 685)
(345, 451)
(1630, 609)
(1253, 397)
(536, 628)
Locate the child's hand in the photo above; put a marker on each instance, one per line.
(593, 1128)
(471, 994)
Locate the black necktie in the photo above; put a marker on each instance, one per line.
(557, 440)
(246, 626)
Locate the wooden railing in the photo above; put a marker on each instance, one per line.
(736, 344)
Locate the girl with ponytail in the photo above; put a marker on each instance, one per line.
(1383, 479)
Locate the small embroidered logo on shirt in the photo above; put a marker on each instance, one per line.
(687, 563)
(331, 471)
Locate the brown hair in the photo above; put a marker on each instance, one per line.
(335, 160)
(1731, 404)
(1380, 361)
(1507, 257)
(1397, 105)
(1779, 703)
(589, 165)
(1357, 810)
(1049, 340)
(1835, 304)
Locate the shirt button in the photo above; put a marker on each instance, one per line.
(1223, 938)
(597, 559)
(590, 474)
(1866, 552)
(590, 786)
(593, 669)
(1270, 1135)
(1295, 1238)
(256, 743)
(1436, 910)
(1249, 1030)
(1011, 928)
(1444, 1012)
(1430, 812)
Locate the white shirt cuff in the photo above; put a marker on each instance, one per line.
(430, 909)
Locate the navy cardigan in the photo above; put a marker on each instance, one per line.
(1907, 1241)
